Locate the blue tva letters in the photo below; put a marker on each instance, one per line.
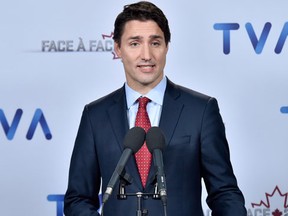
(59, 198)
(284, 109)
(11, 129)
(257, 43)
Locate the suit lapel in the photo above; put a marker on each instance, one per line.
(171, 111)
(119, 122)
(118, 119)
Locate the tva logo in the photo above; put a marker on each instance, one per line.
(38, 118)
(59, 199)
(284, 109)
(258, 43)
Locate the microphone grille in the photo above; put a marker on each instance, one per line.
(155, 139)
(134, 139)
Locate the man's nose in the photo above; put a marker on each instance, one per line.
(146, 52)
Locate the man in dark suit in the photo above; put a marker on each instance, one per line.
(196, 145)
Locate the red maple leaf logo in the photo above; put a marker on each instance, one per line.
(104, 36)
(267, 203)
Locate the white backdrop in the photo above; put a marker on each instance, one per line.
(54, 59)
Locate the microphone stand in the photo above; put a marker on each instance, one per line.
(122, 195)
(140, 211)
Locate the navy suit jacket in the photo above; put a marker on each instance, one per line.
(196, 148)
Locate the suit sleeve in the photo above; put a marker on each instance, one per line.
(81, 198)
(224, 196)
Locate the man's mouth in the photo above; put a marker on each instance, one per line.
(146, 66)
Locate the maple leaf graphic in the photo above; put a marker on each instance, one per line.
(277, 213)
(267, 203)
(104, 36)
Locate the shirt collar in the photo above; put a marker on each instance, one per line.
(156, 94)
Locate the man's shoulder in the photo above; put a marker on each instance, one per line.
(184, 93)
(108, 99)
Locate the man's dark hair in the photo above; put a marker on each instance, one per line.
(141, 11)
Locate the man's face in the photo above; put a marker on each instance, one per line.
(143, 51)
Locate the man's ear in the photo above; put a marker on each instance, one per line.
(167, 48)
(117, 49)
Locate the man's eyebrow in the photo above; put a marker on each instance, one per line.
(140, 37)
(156, 37)
(135, 38)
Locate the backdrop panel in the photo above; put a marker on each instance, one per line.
(57, 56)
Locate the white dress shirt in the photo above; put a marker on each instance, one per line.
(154, 107)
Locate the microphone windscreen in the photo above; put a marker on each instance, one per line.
(155, 139)
(134, 139)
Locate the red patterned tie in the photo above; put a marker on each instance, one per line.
(143, 156)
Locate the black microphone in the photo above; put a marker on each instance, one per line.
(133, 141)
(155, 142)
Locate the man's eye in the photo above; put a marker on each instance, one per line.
(134, 44)
(155, 44)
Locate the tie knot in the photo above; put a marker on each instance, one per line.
(143, 101)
